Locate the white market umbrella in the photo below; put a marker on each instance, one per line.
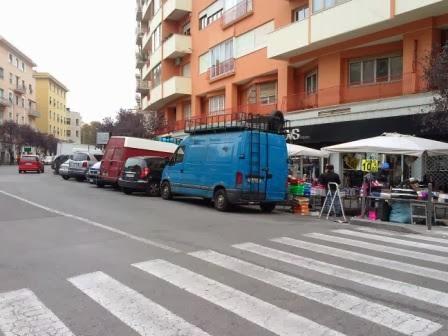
(296, 150)
(392, 143)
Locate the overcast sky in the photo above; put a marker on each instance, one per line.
(89, 45)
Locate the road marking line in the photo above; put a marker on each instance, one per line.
(23, 314)
(367, 259)
(367, 279)
(399, 321)
(261, 313)
(380, 248)
(93, 223)
(138, 312)
(408, 235)
(393, 240)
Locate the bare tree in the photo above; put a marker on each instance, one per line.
(436, 74)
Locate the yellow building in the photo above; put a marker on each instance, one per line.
(51, 103)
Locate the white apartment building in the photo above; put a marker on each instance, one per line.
(75, 122)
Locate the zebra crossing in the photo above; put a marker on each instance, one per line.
(23, 313)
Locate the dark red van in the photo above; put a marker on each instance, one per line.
(120, 148)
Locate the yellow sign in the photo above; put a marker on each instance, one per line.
(370, 166)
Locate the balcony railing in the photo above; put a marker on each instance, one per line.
(237, 12)
(4, 102)
(19, 88)
(140, 58)
(142, 86)
(343, 94)
(139, 34)
(222, 69)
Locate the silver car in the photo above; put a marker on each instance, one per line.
(63, 170)
(80, 164)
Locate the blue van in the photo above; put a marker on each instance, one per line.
(232, 163)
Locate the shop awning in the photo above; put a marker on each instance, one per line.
(392, 143)
(296, 150)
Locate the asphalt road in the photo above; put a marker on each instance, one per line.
(77, 260)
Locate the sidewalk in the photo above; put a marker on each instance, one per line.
(406, 228)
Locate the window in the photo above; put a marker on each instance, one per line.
(187, 111)
(10, 97)
(30, 88)
(2, 93)
(186, 29)
(50, 100)
(311, 83)
(23, 102)
(23, 85)
(214, 17)
(17, 63)
(179, 154)
(204, 63)
(23, 66)
(384, 69)
(156, 39)
(11, 78)
(10, 58)
(300, 14)
(155, 75)
(268, 93)
(17, 100)
(202, 22)
(319, 5)
(77, 134)
(2, 73)
(77, 122)
(216, 105)
(221, 53)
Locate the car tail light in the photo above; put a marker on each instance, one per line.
(239, 179)
(85, 164)
(145, 172)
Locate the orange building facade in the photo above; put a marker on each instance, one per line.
(318, 61)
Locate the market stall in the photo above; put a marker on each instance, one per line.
(378, 170)
(305, 166)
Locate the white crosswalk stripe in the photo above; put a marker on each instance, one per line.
(138, 312)
(393, 240)
(404, 323)
(380, 248)
(410, 236)
(416, 292)
(364, 258)
(266, 315)
(23, 314)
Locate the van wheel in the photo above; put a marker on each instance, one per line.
(220, 200)
(99, 184)
(127, 191)
(267, 207)
(166, 191)
(65, 177)
(153, 189)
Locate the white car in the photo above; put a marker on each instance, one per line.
(63, 170)
(48, 160)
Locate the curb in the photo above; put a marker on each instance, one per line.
(405, 228)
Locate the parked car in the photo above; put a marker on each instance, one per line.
(63, 170)
(244, 165)
(93, 173)
(58, 160)
(29, 163)
(119, 149)
(142, 173)
(48, 160)
(80, 163)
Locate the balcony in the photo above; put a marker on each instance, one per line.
(238, 12)
(32, 112)
(139, 35)
(172, 89)
(20, 89)
(140, 59)
(177, 45)
(346, 20)
(145, 103)
(408, 6)
(146, 71)
(171, 127)
(4, 102)
(142, 87)
(146, 41)
(146, 13)
(176, 9)
(139, 12)
(222, 70)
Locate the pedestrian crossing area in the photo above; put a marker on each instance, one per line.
(358, 280)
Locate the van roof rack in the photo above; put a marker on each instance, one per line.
(273, 123)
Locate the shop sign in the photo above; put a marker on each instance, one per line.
(370, 166)
(27, 150)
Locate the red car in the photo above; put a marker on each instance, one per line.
(30, 163)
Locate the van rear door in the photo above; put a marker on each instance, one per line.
(277, 168)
